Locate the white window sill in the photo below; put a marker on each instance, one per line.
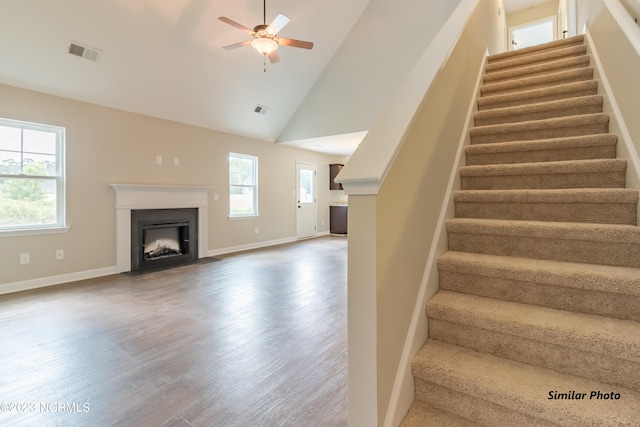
(33, 231)
(233, 218)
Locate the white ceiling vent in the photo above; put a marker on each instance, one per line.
(84, 51)
(261, 109)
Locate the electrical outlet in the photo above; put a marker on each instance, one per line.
(159, 160)
(256, 230)
(176, 161)
(60, 254)
(25, 258)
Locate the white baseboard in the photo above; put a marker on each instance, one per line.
(44, 282)
(258, 245)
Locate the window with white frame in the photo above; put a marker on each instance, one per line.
(31, 176)
(243, 185)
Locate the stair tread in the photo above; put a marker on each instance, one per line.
(533, 125)
(423, 415)
(536, 57)
(540, 107)
(587, 332)
(587, 85)
(537, 48)
(613, 279)
(570, 304)
(559, 167)
(544, 144)
(563, 195)
(539, 68)
(550, 78)
(524, 388)
(548, 230)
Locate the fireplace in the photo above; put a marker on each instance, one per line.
(162, 237)
(137, 197)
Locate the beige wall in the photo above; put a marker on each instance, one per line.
(105, 146)
(532, 14)
(621, 63)
(410, 199)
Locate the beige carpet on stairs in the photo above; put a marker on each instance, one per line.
(537, 321)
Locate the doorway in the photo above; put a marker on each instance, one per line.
(306, 207)
(532, 33)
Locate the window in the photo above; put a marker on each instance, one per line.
(31, 176)
(243, 185)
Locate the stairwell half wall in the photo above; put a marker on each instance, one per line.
(614, 41)
(405, 203)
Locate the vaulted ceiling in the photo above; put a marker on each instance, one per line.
(164, 58)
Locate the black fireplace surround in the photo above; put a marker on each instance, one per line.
(163, 237)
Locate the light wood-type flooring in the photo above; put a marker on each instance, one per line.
(255, 339)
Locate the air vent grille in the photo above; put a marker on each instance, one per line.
(261, 109)
(84, 51)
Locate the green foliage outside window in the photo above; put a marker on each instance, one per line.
(29, 174)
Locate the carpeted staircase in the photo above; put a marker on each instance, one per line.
(539, 297)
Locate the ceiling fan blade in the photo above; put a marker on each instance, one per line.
(235, 24)
(273, 57)
(237, 45)
(295, 43)
(278, 24)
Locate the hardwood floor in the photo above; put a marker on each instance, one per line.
(255, 339)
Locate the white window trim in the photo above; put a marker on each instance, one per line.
(33, 231)
(60, 178)
(256, 211)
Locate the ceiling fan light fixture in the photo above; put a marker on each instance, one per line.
(264, 45)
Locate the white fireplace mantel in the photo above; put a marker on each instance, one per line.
(138, 196)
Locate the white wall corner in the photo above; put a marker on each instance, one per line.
(366, 169)
(362, 313)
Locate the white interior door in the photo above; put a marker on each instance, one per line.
(532, 34)
(306, 197)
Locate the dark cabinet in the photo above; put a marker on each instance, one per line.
(338, 219)
(334, 169)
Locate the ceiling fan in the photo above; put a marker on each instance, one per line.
(265, 37)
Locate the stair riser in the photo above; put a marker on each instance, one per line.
(601, 213)
(515, 86)
(609, 369)
(614, 179)
(602, 303)
(542, 69)
(550, 155)
(589, 252)
(541, 57)
(540, 115)
(423, 415)
(535, 98)
(513, 54)
(541, 132)
(477, 410)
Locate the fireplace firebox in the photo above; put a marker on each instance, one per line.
(163, 237)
